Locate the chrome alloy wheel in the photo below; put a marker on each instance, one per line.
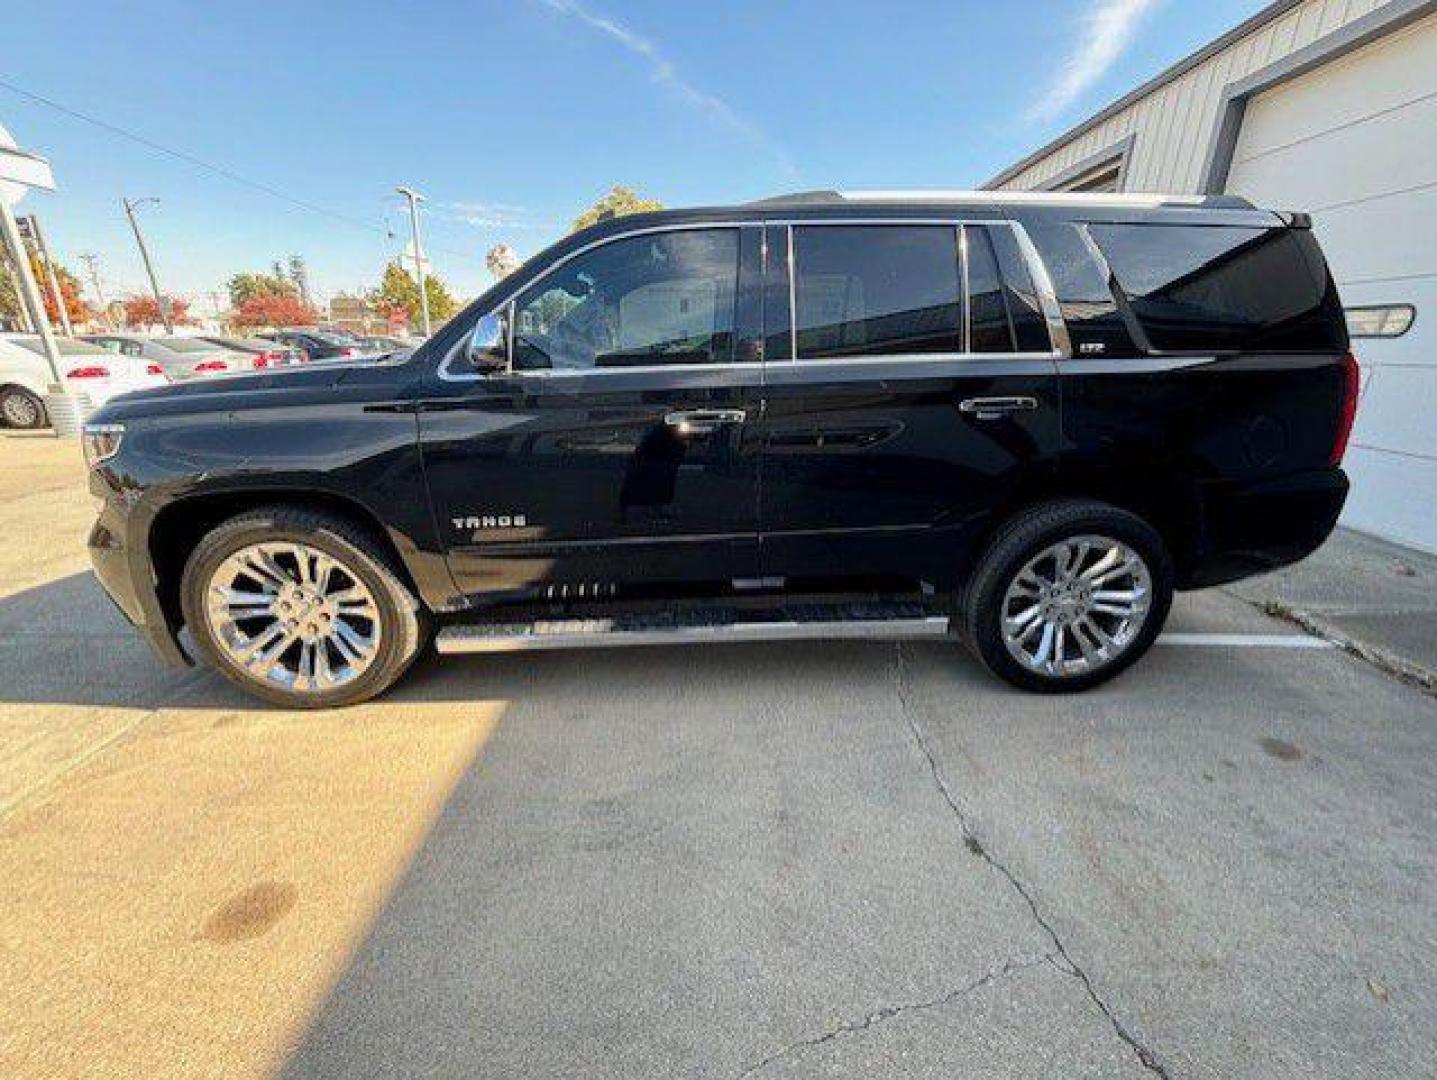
(1076, 606)
(20, 410)
(292, 615)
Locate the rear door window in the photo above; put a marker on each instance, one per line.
(1003, 305)
(865, 290)
(1194, 288)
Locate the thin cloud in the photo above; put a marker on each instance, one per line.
(666, 75)
(489, 215)
(1108, 28)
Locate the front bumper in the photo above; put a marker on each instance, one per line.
(1251, 528)
(127, 576)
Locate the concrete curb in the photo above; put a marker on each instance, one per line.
(1424, 679)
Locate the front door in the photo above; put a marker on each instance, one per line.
(618, 448)
(911, 407)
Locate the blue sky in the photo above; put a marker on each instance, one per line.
(512, 115)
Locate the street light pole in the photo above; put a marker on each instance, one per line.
(103, 307)
(149, 266)
(414, 200)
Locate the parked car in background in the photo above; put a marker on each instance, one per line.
(263, 354)
(180, 357)
(86, 368)
(322, 344)
(383, 344)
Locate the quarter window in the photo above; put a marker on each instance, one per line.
(874, 290)
(657, 298)
(1195, 288)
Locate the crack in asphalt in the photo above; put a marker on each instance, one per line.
(888, 1012)
(975, 845)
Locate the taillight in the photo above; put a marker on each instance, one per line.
(206, 366)
(95, 371)
(1351, 384)
(154, 369)
(265, 359)
(348, 354)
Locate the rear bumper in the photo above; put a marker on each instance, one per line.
(1251, 528)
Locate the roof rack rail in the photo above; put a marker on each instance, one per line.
(948, 195)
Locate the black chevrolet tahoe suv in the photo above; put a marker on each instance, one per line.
(1021, 421)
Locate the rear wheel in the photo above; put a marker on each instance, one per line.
(21, 409)
(1067, 595)
(302, 609)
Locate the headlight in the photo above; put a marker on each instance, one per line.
(101, 441)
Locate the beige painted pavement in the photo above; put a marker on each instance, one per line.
(183, 874)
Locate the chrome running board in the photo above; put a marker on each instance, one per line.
(598, 633)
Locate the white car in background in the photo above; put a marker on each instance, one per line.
(87, 369)
(179, 357)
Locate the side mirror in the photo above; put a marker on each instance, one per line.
(488, 344)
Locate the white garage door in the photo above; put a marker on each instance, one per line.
(1355, 143)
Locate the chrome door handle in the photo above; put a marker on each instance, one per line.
(990, 408)
(703, 421)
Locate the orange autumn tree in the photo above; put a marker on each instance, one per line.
(274, 309)
(142, 311)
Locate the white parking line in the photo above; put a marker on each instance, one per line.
(1248, 641)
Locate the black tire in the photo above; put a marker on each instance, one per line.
(21, 409)
(403, 620)
(1021, 539)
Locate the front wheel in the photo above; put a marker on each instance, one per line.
(1067, 595)
(301, 609)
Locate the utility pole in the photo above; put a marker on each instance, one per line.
(103, 307)
(149, 266)
(33, 224)
(414, 200)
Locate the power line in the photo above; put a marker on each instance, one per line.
(218, 170)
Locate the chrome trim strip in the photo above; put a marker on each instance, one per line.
(966, 300)
(1047, 294)
(594, 633)
(792, 294)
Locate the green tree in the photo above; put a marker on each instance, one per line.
(398, 291)
(619, 201)
(246, 287)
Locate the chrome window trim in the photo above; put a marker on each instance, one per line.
(1042, 284)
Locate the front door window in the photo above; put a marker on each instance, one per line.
(654, 299)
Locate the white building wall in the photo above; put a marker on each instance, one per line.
(1174, 123)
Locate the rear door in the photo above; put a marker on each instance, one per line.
(618, 448)
(911, 393)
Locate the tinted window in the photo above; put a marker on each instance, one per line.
(1200, 288)
(661, 298)
(876, 289)
(989, 330)
(1094, 323)
(1030, 329)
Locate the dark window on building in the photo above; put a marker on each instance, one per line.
(990, 330)
(875, 289)
(658, 298)
(1224, 288)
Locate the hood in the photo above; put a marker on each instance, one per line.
(266, 388)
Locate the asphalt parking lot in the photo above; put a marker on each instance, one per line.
(851, 860)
